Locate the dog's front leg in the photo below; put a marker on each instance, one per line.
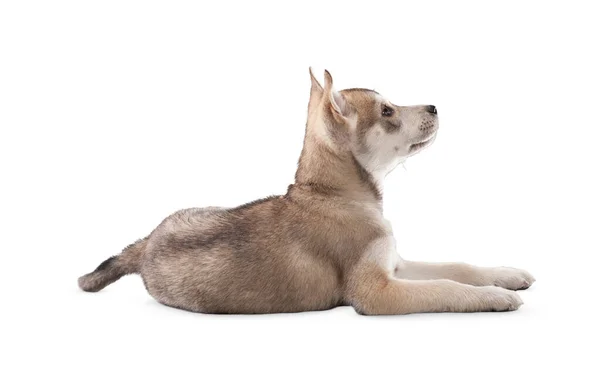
(509, 278)
(372, 291)
(372, 288)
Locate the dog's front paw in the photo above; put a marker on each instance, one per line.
(511, 278)
(498, 299)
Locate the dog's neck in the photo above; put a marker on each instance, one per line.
(323, 169)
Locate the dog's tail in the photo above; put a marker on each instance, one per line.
(109, 271)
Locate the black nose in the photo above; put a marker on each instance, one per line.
(431, 109)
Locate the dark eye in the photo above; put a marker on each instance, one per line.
(387, 111)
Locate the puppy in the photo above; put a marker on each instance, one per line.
(323, 244)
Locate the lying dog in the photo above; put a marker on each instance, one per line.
(325, 243)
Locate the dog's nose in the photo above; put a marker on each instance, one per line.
(431, 109)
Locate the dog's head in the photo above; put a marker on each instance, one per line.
(378, 133)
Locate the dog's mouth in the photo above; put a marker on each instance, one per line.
(428, 129)
(422, 144)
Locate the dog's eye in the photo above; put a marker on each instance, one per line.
(387, 111)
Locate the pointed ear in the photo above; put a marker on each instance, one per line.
(315, 85)
(316, 93)
(334, 101)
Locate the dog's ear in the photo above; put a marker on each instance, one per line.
(334, 102)
(316, 93)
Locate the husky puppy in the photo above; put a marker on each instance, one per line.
(323, 244)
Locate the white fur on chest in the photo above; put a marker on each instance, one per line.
(382, 251)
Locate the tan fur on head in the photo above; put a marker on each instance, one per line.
(325, 242)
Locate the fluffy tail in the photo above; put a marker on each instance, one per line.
(128, 262)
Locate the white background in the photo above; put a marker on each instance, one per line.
(115, 114)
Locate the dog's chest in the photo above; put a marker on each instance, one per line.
(391, 257)
(382, 250)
